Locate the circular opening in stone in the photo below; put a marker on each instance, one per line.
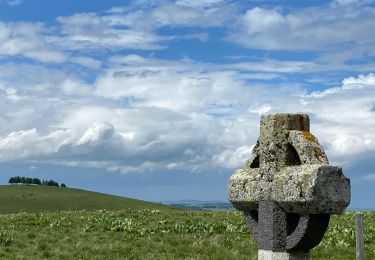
(253, 214)
(292, 156)
(292, 220)
(255, 162)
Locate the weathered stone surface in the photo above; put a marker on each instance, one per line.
(289, 166)
(304, 189)
(311, 189)
(307, 147)
(287, 190)
(276, 230)
(267, 255)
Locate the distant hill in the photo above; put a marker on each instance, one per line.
(192, 202)
(46, 198)
(200, 205)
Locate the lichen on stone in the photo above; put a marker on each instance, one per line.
(309, 136)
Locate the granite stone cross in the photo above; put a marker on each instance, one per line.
(287, 190)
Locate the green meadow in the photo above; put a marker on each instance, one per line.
(15, 199)
(145, 231)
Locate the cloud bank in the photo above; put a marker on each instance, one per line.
(180, 115)
(102, 89)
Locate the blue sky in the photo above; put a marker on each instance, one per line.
(161, 100)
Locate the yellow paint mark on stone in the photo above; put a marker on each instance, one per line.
(309, 136)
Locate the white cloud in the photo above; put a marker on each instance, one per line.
(33, 96)
(189, 15)
(134, 26)
(87, 62)
(345, 117)
(12, 2)
(172, 85)
(200, 3)
(37, 81)
(88, 30)
(71, 127)
(336, 3)
(29, 144)
(260, 109)
(35, 41)
(330, 28)
(340, 27)
(233, 158)
(75, 87)
(277, 66)
(362, 81)
(201, 14)
(146, 113)
(159, 139)
(26, 39)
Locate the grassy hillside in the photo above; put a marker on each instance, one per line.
(156, 234)
(47, 198)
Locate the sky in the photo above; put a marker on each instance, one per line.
(161, 100)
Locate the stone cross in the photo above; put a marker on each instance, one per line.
(287, 190)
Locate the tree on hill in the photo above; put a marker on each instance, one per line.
(33, 181)
(12, 180)
(16, 179)
(28, 180)
(50, 183)
(63, 185)
(24, 180)
(37, 181)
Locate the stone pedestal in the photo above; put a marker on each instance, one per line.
(271, 255)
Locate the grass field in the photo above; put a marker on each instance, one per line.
(14, 199)
(158, 233)
(155, 234)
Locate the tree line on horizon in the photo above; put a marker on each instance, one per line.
(34, 181)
